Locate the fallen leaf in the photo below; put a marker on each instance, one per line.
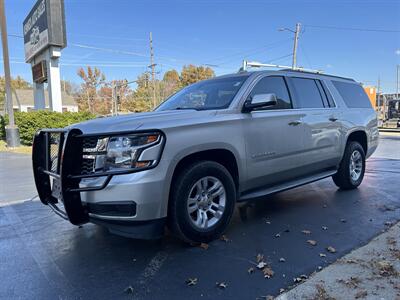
(129, 290)
(268, 222)
(306, 232)
(331, 249)
(297, 280)
(303, 276)
(324, 228)
(361, 294)
(191, 281)
(312, 242)
(222, 285)
(277, 235)
(224, 238)
(281, 290)
(282, 259)
(250, 270)
(261, 265)
(259, 257)
(203, 246)
(268, 273)
(322, 255)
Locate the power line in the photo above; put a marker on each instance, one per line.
(353, 28)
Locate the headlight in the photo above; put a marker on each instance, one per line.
(124, 152)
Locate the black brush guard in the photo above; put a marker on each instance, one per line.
(68, 163)
(58, 153)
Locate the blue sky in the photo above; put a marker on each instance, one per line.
(221, 33)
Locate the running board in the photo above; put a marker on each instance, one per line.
(285, 186)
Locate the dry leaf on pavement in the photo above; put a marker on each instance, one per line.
(331, 249)
(224, 238)
(312, 242)
(203, 246)
(191, 281)
(261, 265)
(259, 257)
(129, 290)
(222, 285)
(268, 273)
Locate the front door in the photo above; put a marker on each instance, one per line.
(273, 136)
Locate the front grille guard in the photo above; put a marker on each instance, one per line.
(67, 168)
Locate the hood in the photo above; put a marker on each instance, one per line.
(142, 121)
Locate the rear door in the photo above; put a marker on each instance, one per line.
(321, 122)
(273, 136)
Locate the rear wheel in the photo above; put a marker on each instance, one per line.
(202, 202)
(352, 167)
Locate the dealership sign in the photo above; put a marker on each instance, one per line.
(44, 27)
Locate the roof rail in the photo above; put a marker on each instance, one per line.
(254, 64)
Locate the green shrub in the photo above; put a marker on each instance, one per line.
(30, 122)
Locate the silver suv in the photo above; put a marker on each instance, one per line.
(212, 144)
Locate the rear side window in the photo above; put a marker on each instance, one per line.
(273, 85)
(308, 94)
(353, 94)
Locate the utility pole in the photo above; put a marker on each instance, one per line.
(114, 98)
(296, 39)
(397, 82)
(153, 71)
(12, 133)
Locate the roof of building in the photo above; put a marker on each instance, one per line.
(25, 97)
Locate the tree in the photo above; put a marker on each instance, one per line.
(170, 84)
(92, 78)
(16, 84)
(191, 74)
(141, 99)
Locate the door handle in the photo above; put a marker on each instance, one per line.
(294, 123)
(333, 119)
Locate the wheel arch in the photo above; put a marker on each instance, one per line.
(359, 135)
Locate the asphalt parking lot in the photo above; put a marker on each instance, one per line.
(45, 257)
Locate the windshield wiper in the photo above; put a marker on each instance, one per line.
(183, 108)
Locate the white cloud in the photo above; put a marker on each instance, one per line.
(397, 52)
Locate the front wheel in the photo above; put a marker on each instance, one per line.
(352, 167)
(202, 202)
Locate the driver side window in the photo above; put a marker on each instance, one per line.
(273, 85)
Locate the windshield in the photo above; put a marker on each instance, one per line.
(209, 94)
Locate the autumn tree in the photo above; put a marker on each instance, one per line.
(191, 74)
(16, 84)
(88, 100)
(170, 84)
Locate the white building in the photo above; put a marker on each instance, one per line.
(23, 101)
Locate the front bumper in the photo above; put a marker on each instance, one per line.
(118, 200)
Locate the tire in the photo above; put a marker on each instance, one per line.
(190, 214)
(345, 178)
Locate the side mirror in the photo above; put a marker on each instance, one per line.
(260, 101)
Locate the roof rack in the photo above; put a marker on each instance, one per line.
(254, 64)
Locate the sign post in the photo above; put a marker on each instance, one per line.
(44, 38)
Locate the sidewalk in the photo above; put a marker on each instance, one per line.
(370, 272)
